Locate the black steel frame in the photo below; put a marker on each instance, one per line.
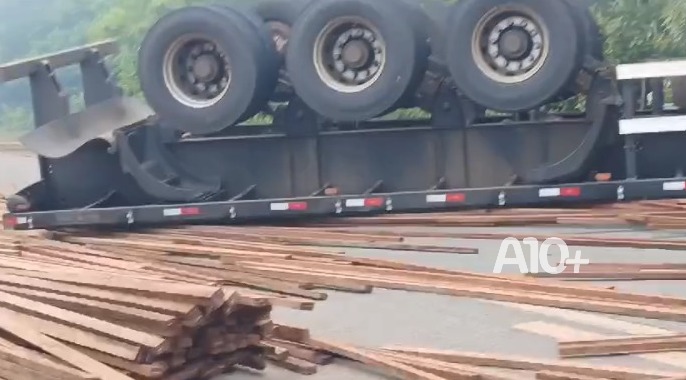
(240, 211)
(196, 200)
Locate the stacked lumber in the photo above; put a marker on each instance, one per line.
(87, 316)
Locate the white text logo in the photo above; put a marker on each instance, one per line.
(538, 259)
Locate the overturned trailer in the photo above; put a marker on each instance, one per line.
(328, 72)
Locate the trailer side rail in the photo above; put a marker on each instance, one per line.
(240, 211)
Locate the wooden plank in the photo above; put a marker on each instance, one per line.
(296, 365)
(386, 366)
(445, 370)
(62, 351)
(291, 334)
(675, 359)
(104, 327)
(303, 352)
(164, 306)
(76, 336)
(32, 359)
(548, 375)
(532, 364)
(129, 283)
(79, 304)
(465, 289)
(622, 346)
(563, 333)
(152, 370)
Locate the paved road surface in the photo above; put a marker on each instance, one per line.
(399, 318)
(17, 169)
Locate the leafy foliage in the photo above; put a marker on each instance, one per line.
(635, 30)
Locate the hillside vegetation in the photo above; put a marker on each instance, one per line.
(635, 30)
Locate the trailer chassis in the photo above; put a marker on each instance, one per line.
(151, 167)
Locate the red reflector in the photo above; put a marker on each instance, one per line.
(570, 192)
(456, 198)
(189, 211)
(9, 222)
(298, 206)
(374, 202)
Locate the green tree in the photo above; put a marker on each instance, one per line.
(635, 30)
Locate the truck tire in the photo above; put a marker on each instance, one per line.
(432, 20)
(534, 43)
(270, 63)
(590, 35)
(425, 31)
(202, 70)
(591, 46)
(354, 60)
(280, 15)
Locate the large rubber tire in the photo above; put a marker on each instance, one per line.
(590, 35)
(270, 63)
(230, 30)
(591, 44)
(432, 19)
(279, 16)
(558, 70)
(403, 60)
(425, 31)
(284, 12)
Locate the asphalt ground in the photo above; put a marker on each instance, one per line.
(431, 321)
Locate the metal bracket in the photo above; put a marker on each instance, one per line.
(297, 119)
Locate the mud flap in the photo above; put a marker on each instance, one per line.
(64, 136)
(605, 99)
(144, 157)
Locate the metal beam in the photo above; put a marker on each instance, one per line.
(23, 68)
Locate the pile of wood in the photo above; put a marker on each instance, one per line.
(71, 312)
(230, 256)
(171, 304)
(663, 214)
(192, 302)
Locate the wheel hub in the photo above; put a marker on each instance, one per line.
(197, 72)
(510, 45)
(349, 55)
(356, 54)
(206, 67)
(514, 43)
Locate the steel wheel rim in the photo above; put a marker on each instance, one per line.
(197, 71)
(337, 60)
(511, 44)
